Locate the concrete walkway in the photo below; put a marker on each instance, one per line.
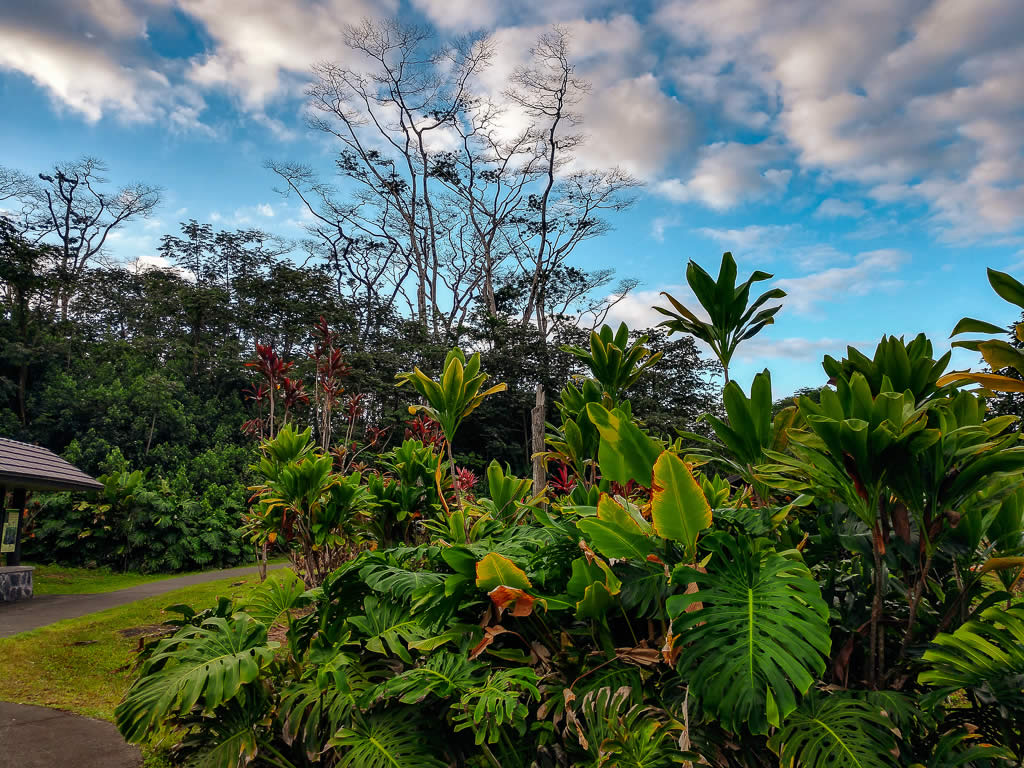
(37, 737)
(46, 609)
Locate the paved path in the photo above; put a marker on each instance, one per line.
(37, 737)
(46, 609)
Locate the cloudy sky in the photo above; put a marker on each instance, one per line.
(870, 153)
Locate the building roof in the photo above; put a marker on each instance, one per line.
(23, 465)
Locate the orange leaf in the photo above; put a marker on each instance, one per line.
(503, 596)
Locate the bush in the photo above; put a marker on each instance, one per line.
(848, 601)
(137, 524)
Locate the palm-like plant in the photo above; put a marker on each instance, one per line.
(731, 319)
(452, 398)
(613, 361)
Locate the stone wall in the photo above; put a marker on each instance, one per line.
(15, 583)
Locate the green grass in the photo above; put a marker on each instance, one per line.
(83, 665)
(58, 580)
(61, 580)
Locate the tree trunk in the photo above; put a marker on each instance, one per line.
(537, 440)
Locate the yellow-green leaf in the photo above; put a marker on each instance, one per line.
(679, 509)
(494, 570)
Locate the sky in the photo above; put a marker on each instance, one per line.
(868, 153)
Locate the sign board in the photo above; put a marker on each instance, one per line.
(9, 538)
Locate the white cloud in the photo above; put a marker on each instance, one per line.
(459, 15)
(265, 210)
(868, 274)
(659, 225)
(833, 208)
(729, 173)
(637, 309)
(750, 238)
(919, 98)
(94, 73)
(793, 348)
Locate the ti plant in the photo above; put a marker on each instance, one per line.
(614, 362)
(733, 318)
(451, 398)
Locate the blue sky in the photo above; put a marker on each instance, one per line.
(869, 153)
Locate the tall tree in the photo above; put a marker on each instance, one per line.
(71, 208)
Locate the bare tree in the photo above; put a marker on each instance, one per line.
(439, 200)
(570, 205)
(72, 208)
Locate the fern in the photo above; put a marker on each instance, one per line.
(833, 731)
(384, 742)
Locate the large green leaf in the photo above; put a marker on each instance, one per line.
(615, 533)
(678, 507)
(626, 452)
(495, 570)
(834, 731)
(759, 637)
(210, 663)
(389, 627)
(384, 741)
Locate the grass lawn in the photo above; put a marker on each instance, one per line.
(83, 665)
(60, 580)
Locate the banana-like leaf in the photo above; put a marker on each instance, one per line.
(210, 663)
(594, 586)
(495, 570)
(615, 533)
(837, 730)
(626, 452)
(760, 637)
(678, 507)
(990, 381)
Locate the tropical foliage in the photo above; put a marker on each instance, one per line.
(847, 596)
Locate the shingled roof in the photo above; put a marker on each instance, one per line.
(23, 465)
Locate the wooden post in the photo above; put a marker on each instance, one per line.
(537, 440)
(18, 502)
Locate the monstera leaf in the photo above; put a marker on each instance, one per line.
(985, 655)
(207, 664)
(759, 638)
(836, 730)
(384, 742)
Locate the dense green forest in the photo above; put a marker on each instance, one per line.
(154, 369)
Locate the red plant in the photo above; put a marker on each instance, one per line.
(561, 481)
(426, 430)
(465, 478)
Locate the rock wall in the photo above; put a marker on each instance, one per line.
(15, 583)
